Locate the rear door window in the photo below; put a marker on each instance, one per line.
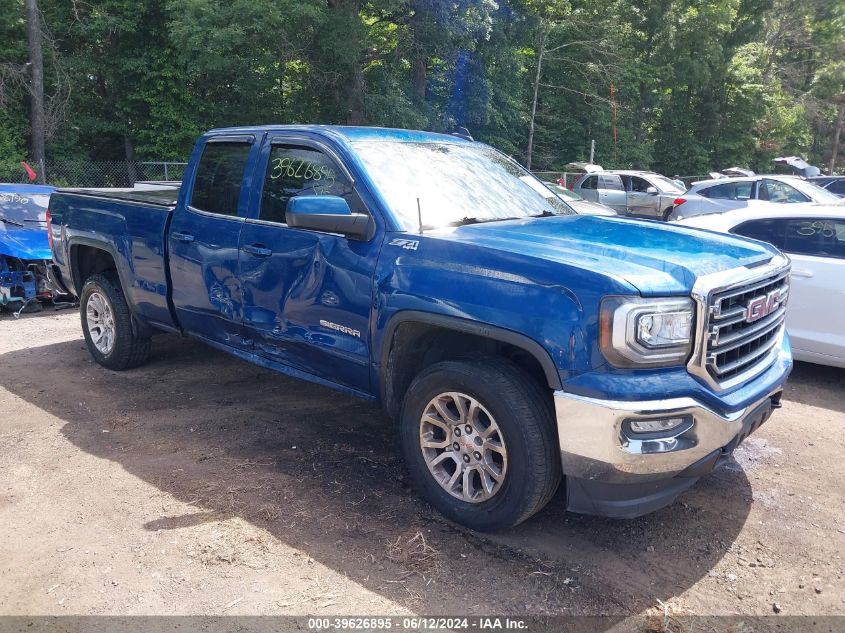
(611, 182)
(820, 237)
(220, 175)
(771, 231)
(729, 191)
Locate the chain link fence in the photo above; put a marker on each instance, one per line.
(85, 173)
(566, 178)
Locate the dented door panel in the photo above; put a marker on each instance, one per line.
(204, 274)
(307, 304)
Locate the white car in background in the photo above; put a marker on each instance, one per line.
(753, 192)
(814, 239)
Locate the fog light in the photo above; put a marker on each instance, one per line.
(658, 427)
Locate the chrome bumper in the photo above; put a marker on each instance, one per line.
(594, 446)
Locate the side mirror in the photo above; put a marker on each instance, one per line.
(330, 214)
(652, 191)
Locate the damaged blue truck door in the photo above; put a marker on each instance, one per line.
(307, 294)
(203, 240)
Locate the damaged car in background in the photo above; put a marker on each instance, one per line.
(25, 257)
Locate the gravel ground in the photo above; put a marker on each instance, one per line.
(200, 484)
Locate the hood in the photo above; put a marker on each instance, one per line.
(585, 207)
(24, 243)
(654, 257)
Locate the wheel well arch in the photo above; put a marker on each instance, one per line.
(415, 340)
(89, 259)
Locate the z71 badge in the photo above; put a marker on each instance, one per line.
(409, 245)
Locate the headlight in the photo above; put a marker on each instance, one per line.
(636, 332)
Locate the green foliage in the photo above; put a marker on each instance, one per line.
(697, 84)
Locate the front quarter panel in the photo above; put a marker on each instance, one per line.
(554, 305)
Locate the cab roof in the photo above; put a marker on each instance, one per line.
(349, 133)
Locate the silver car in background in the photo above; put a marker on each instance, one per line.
(643, 194)
(755, 192)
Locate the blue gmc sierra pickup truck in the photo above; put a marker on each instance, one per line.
(515, 343)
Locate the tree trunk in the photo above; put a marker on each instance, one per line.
(418, 76)
(419, 63)
(129, 150)
(530, 150)
(357, 89)
(352, 88)
(837, 131)
(36, 60)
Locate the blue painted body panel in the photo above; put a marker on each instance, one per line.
(318, 305)
(132, 233)
(24, 243)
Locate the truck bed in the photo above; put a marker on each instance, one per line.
(133, 225)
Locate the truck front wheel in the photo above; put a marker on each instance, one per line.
(478, 439)
(107, 325)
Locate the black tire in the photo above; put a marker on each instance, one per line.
(667, 212)
(129, 350)
(522, 410)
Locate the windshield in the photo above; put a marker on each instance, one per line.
(18, 208)
(816, 193)
(455, 183)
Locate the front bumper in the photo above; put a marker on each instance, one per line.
(610, 472)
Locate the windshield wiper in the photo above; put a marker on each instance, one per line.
(8, 221)
(474, 220)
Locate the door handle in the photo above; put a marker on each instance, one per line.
(182, 237)
(257, 250)
(801, 272)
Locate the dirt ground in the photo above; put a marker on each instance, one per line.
(200, 484)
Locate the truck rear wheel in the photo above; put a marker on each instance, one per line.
(478, 440)
(107, 325)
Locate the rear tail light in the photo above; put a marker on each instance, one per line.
(679, 201)
(49, 229)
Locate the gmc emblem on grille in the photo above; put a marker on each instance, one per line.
(759, 307)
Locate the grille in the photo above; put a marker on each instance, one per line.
(744, 325)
